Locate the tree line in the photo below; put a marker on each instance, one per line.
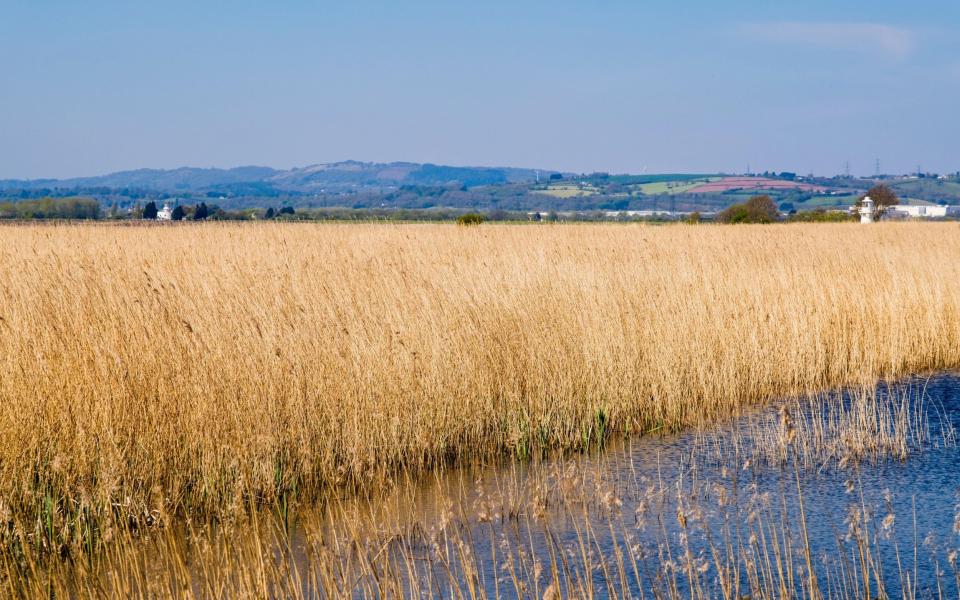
(758, 209)
(202, 212)
(51, 208)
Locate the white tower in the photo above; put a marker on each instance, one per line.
(867, 210)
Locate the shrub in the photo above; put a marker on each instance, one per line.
(759, 209)
(821, 215)
(471, 219)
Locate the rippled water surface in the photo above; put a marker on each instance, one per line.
(862, 487)
(666, 516)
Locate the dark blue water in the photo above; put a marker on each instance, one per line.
(662, 517)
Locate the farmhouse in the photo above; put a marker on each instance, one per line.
(165, 213)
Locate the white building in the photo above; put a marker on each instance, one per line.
(921, 211)
(165, 213)
(868, 211)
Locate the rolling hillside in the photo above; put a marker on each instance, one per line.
(341, 176)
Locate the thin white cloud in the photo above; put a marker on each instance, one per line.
(869, 38)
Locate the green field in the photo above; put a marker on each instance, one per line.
(672, 186)
(652, 191)
(570, 190)
(826, 201)
(926, 187)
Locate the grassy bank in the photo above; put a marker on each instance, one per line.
(148, 371)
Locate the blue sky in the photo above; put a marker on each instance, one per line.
(93, 87)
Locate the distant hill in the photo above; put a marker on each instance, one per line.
(333, 177)
(416, 186)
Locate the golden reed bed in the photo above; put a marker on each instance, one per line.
(196, 368)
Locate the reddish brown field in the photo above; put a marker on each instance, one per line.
(752, 183)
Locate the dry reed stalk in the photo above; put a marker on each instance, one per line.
(193, 370)
(837, 428)
(611, 529)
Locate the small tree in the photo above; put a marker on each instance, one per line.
(735, 213)
(201, 212)
(270, 213)
(471, 219)
(762, 209)
(759, 209)
(883, 198)
(694, 217)
(150, 211)
(177, 214)
(287, 210)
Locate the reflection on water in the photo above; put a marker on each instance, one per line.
(851, 495)
(861, 489)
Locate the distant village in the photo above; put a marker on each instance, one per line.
(866, 213)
